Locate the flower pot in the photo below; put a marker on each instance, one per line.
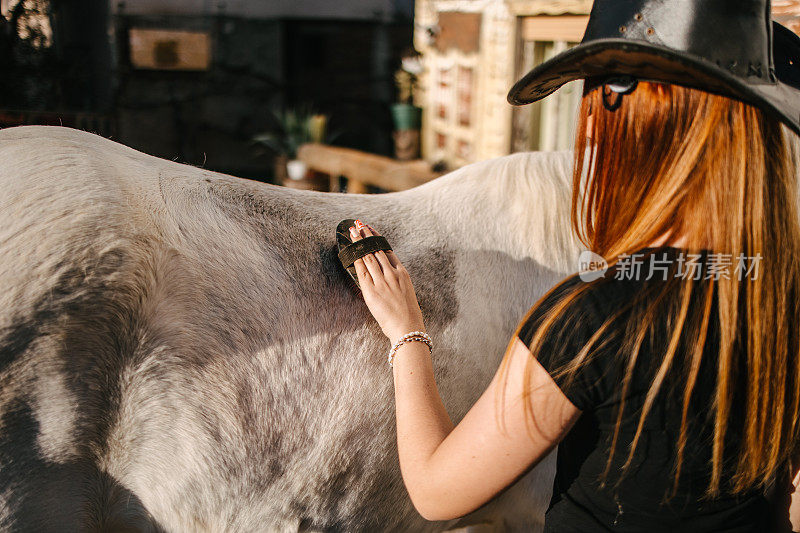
(296, 169)
(406, 117)
(406, 144)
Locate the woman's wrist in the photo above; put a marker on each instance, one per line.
(410, 337)
(410, 356)
(399, 335)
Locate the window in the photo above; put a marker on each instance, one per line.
(465, 81)
(443, 99)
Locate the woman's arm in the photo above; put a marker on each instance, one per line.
(451, 471)
(794, 506)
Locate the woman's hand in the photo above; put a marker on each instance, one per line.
(387, 289)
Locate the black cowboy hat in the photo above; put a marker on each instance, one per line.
(727, 47)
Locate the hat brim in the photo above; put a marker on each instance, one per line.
(652, 62)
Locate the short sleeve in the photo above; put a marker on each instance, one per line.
(594, 379)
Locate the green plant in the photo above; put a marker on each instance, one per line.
(406, 83)
(291, 131)
(407, 76)
(295, 127)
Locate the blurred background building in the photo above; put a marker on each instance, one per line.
(474, 50)
(197, 80)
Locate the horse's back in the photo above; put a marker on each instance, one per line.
(158, 327)
(179, 343)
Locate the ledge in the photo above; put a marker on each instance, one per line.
(362, 168)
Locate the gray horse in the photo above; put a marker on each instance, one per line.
(180, 351)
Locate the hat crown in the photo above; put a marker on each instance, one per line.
(734, 34)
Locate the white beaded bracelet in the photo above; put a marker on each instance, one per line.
(404, 341)
(408, 337)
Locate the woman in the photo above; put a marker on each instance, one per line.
(673, 388)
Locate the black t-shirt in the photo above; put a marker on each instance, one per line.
(639, 502)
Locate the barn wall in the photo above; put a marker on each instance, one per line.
(343, 9)
(341, 67)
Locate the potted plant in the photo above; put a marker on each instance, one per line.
(294, 127)
(407, 117)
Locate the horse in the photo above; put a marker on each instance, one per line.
(180, 349)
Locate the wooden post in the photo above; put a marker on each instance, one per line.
(356, 187)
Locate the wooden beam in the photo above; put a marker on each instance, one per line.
(526, 8)
(362, 168)
(554, 28)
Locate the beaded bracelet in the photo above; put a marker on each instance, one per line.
(408, 337)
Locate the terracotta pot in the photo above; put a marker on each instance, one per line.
(406, 144)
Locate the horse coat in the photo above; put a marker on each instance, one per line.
(179, 350)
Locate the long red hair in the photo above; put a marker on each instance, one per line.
(719, 172)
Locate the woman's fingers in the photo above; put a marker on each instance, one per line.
(362, 273)
(380, 265)
(389, 255)
(364, 230)
(393, 259)
(369, 260)
(361, 268)
(383, 259)
(380, 255)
